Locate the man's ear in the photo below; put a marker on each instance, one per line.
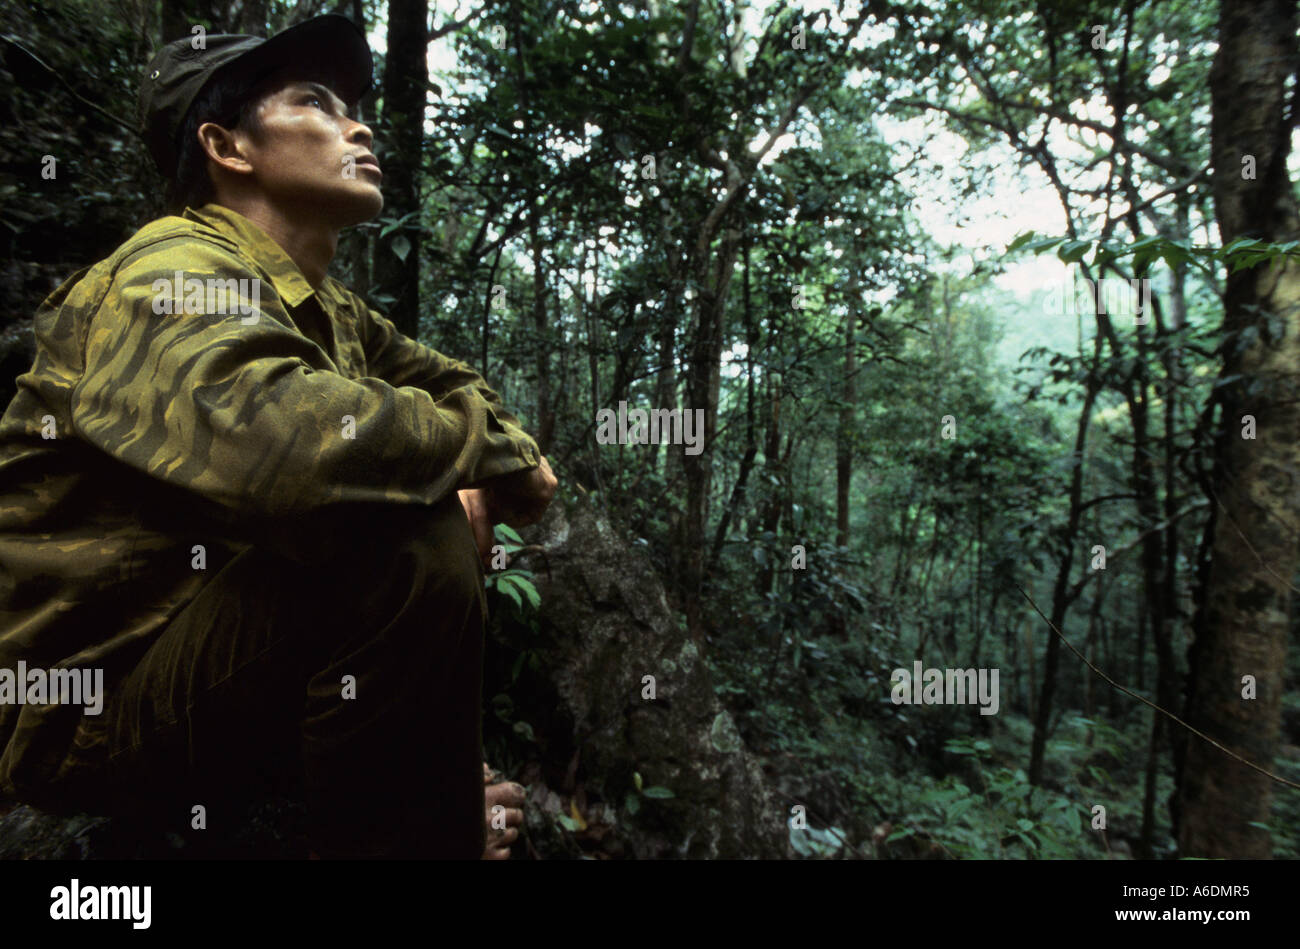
(225, 147)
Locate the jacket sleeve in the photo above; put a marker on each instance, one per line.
(247, 412)
(402, 361)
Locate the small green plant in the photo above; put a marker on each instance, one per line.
(515, 583)
(1006, 816)
(632, 803)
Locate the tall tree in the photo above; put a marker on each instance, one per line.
(1243, 618)
(405, 91)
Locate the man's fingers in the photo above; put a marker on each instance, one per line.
(499, 841)
(506, 794)
(510, 797)
(514, 817)
(498, 848)
(522, 499)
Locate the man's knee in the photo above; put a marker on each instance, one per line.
(390, 561)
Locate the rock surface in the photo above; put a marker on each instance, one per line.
(605, 625)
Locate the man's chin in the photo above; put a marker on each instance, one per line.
(343, 208)
(360, 208)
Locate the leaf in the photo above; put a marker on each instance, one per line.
(1025, 825)
(394, 223)
(1045, 244)
(1241, 243)
(1175, 255)
(631, 803)
(1072, 251)
(1143, 259)
(658, 791)
(401, 247)
(1020, 242)
(506, 586)
(530, 591)
(509, 533)
(636, 779)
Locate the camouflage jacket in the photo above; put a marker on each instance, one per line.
(193, 389)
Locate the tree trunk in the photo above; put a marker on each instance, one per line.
(1060, 598)
(1146, 837)
(844, 432)
(1243, 625)
(703, 378)
(772, 462)
(405, 81)
(545, 420)
(751, 438)
(361, 248)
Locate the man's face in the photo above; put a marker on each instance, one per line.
(311, 159)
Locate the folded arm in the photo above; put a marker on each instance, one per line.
(251, 416)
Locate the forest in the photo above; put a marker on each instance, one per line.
(919, 378)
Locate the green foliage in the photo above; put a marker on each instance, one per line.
(514, 583)
(1240, 254)
(632, 800)
(531, 177)
(1003, 815)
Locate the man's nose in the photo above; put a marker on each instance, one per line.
(360, 132)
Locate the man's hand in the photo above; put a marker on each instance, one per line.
(510, 797)
(522, 498)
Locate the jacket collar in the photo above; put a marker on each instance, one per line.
(289, 283)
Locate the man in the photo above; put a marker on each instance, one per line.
(244, 501)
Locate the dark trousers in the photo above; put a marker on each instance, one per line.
(365, 671)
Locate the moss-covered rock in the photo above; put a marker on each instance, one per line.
(605, 624)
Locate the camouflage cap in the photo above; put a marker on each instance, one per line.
(181, 69)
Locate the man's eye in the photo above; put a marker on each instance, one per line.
(315, 99)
